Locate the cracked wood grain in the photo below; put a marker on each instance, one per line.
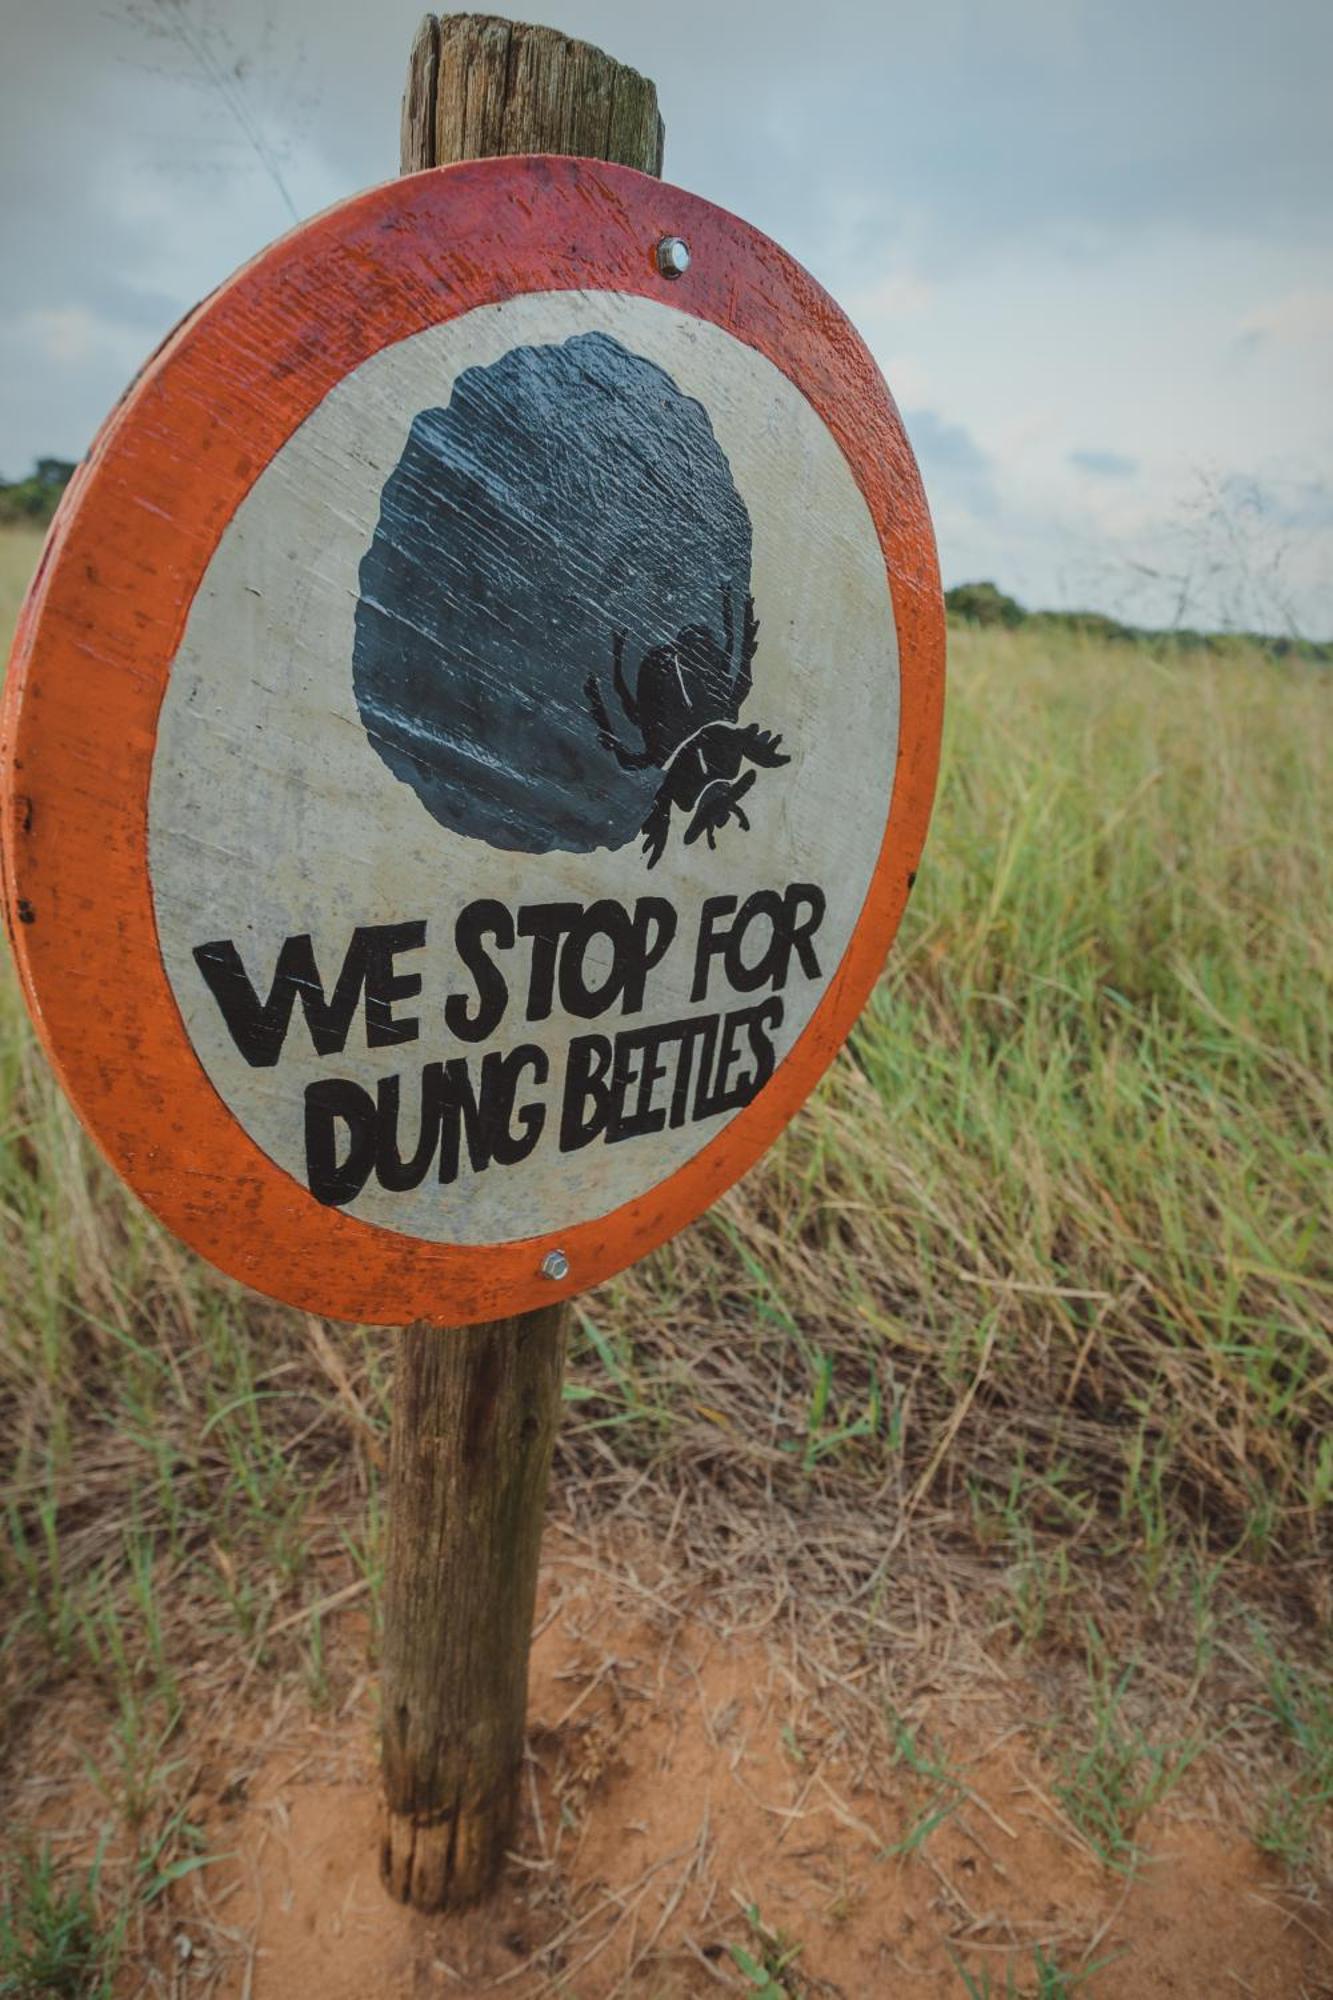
(474, 1423)
(476, 1410)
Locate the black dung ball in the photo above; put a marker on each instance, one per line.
(565, 494)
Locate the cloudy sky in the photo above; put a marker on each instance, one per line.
(1089, 241)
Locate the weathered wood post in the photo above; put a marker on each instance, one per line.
(475, 1410)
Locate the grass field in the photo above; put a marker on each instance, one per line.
(1018, 1342)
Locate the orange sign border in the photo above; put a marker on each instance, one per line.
(106, 611)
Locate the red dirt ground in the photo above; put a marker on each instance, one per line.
(678, 1780)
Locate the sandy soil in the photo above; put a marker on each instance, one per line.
(689, 1795)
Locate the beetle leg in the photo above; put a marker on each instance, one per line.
(749, 646)
(750, 643)
(728, 624)
(718, 804)
(627, 701)
(628, 760)
(657, 825)
(762, 747)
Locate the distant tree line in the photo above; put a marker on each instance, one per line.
(36, 497)
(984, 604)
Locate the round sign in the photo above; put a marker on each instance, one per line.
(471, 737)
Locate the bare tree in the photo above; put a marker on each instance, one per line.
(240, 80)
(1219, 561)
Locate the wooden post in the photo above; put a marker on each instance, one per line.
(475, 1410)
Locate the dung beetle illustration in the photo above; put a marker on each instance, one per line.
(686, 705)
(568, 508)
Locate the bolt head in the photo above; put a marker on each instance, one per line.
(673, 257)
(555, 1265)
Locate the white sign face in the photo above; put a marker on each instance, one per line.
(524, 765)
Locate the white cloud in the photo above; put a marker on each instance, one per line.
(1297, 318)
(73, 336)
(896, 296)
(906, 376)
(1062, 229)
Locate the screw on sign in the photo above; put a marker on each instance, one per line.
(467, 749)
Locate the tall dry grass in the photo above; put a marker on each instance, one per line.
(1034, 1299)
(1073, 1171)
(19, 550)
